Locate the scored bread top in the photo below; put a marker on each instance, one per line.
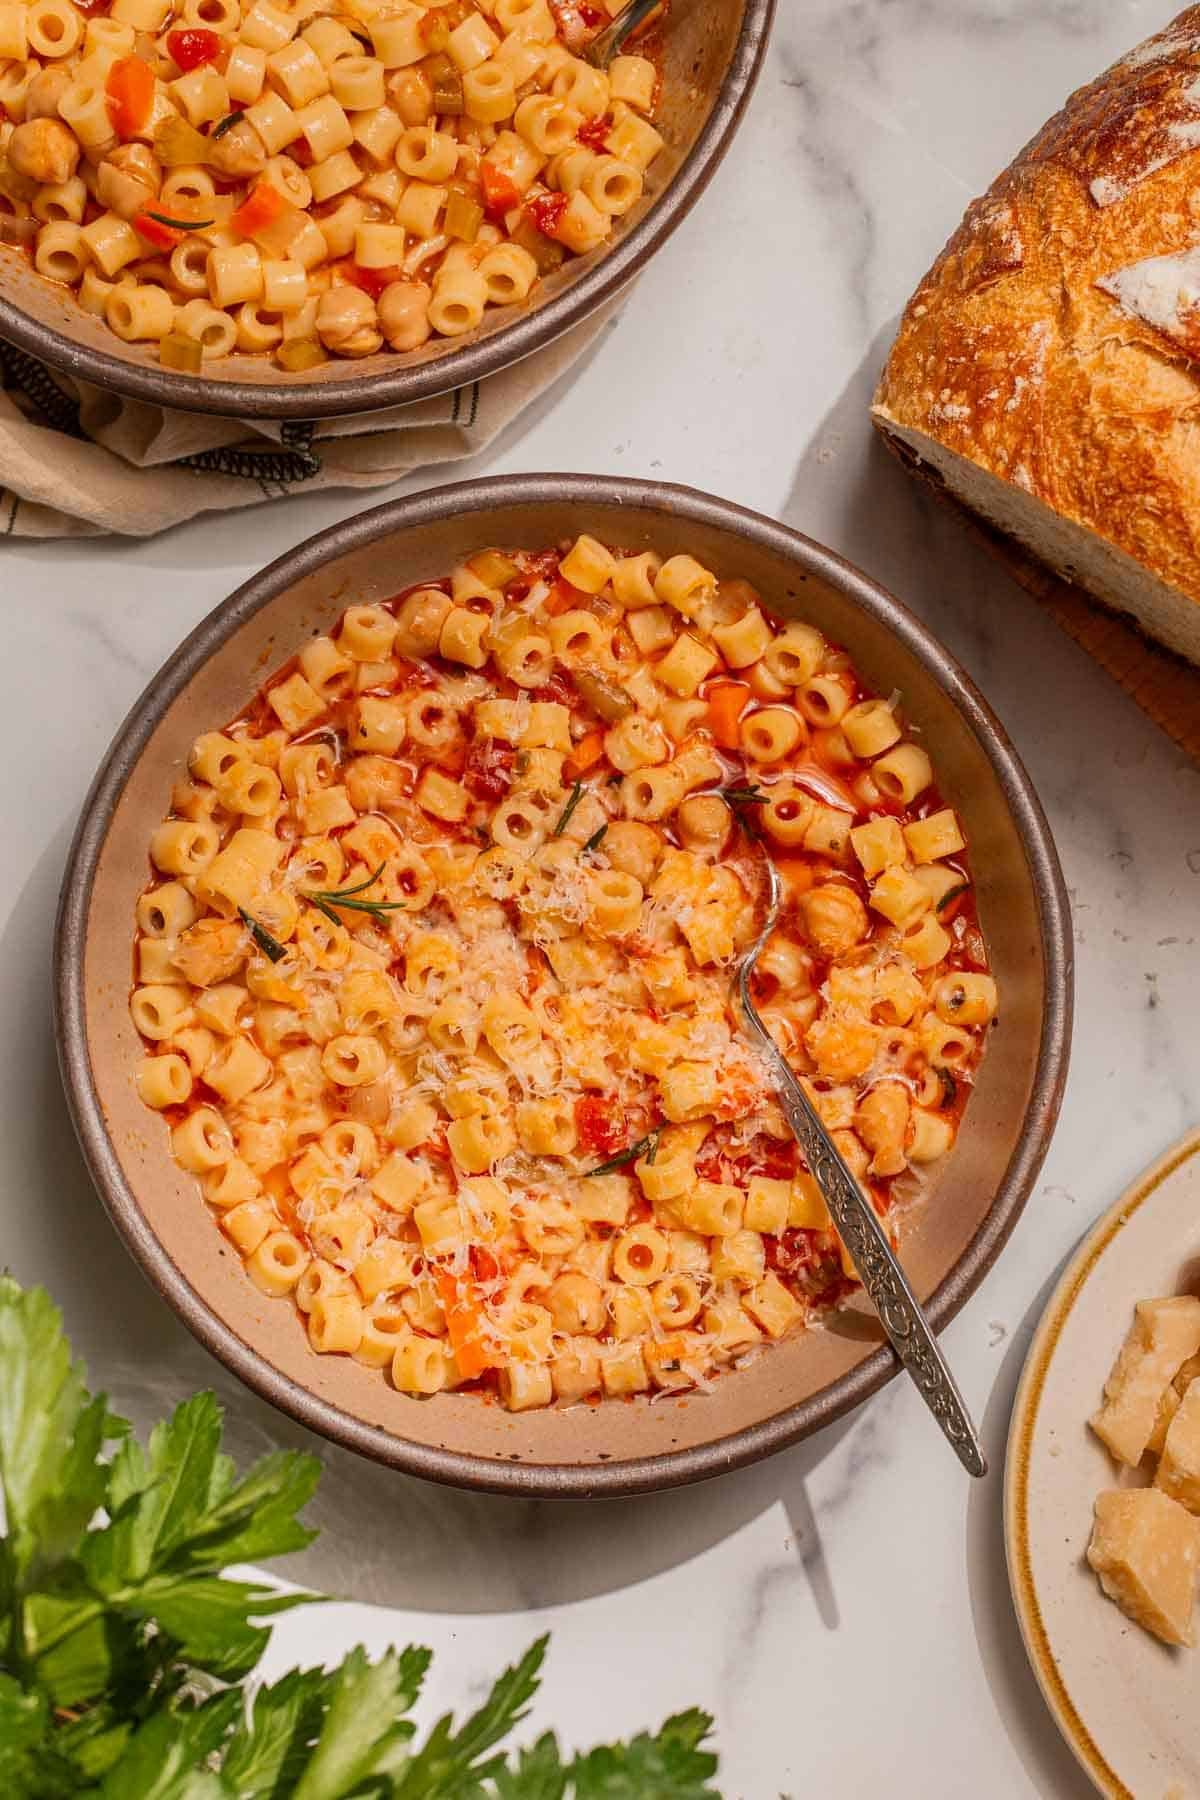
(1056, 340)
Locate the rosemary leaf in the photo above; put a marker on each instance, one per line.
(325, 899)
(564, 817)
(594, 841)
(646, 1146)
(179, 224)
(226, 124)
(267, 944)
(949, 898)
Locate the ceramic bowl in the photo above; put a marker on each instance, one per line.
(711, 56)
(624, 1447)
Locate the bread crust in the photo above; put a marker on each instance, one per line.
(1012, 357)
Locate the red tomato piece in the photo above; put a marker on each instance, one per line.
(490, 770)
(546, 211)
(594, 132)
(192, 46)
(601, 1125)
(372, 281)
(500, 191)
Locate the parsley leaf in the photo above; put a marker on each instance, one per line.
(116, 1616)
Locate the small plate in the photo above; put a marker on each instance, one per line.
(1128, 1706)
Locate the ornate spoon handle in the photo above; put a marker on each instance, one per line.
(878, 1268)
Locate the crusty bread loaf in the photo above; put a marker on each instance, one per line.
(1048, 367)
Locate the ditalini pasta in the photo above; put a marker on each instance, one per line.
(216, 176)
(435, 973)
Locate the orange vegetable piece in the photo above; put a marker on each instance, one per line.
(262, 206)
(726, 704)
(587, 751)
(129, 86)
(500, 191)
(464, 1324)
(163, 237)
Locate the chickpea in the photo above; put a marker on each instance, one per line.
(404, 314)
(44, 93)
(238, 152)
(44, 150)
(834, 917)
(704, 823)
(882, 1124)
(348, 323)
(575, 1303)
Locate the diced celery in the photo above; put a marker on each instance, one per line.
(545, 252)
(300, 354)
(463, 217)
(493, 568)
(176, 142)
(175, 351)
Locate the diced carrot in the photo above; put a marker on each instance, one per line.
(163, 237)
(726, 704)
(561, 598)
(464, 1324)
(129, 86)
(261, 208)
(587, 752)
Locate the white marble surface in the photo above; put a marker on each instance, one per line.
(844, 1608)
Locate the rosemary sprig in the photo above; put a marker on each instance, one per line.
(179, 224)
(226, 124)
(595, 840)
(325, 899)
(646, 1147)
(267, 944)
(564, 817)
(743, 794)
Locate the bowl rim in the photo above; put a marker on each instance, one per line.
(459, 1468)
(532, 330)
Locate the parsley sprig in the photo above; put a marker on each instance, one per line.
(646, 1146)
(123, 1644)
(350, 900)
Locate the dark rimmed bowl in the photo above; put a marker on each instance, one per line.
(634, 1446)
(711, 57)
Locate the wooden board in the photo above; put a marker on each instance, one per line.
(1165, 686)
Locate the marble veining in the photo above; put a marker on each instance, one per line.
(857, 1569)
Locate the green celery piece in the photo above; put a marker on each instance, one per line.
(271, 1746)
(51, 1435)
(209, 1618)
(166, 1756)
(365, 1728)
(449, 1765)
(671, 1766)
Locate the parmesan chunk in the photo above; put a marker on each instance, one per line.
(1179, 1471)
(1144, 1548)
(1162, 1337)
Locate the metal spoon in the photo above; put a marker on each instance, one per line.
(858, 1227)
(607, 43)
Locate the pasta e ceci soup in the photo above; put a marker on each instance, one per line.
(435, 974)
(316, 179)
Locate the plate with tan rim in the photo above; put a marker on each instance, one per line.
(1128, 1706)
(619, 1446)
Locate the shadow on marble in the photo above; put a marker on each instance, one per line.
(1022, 1711)
(386, 1538)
